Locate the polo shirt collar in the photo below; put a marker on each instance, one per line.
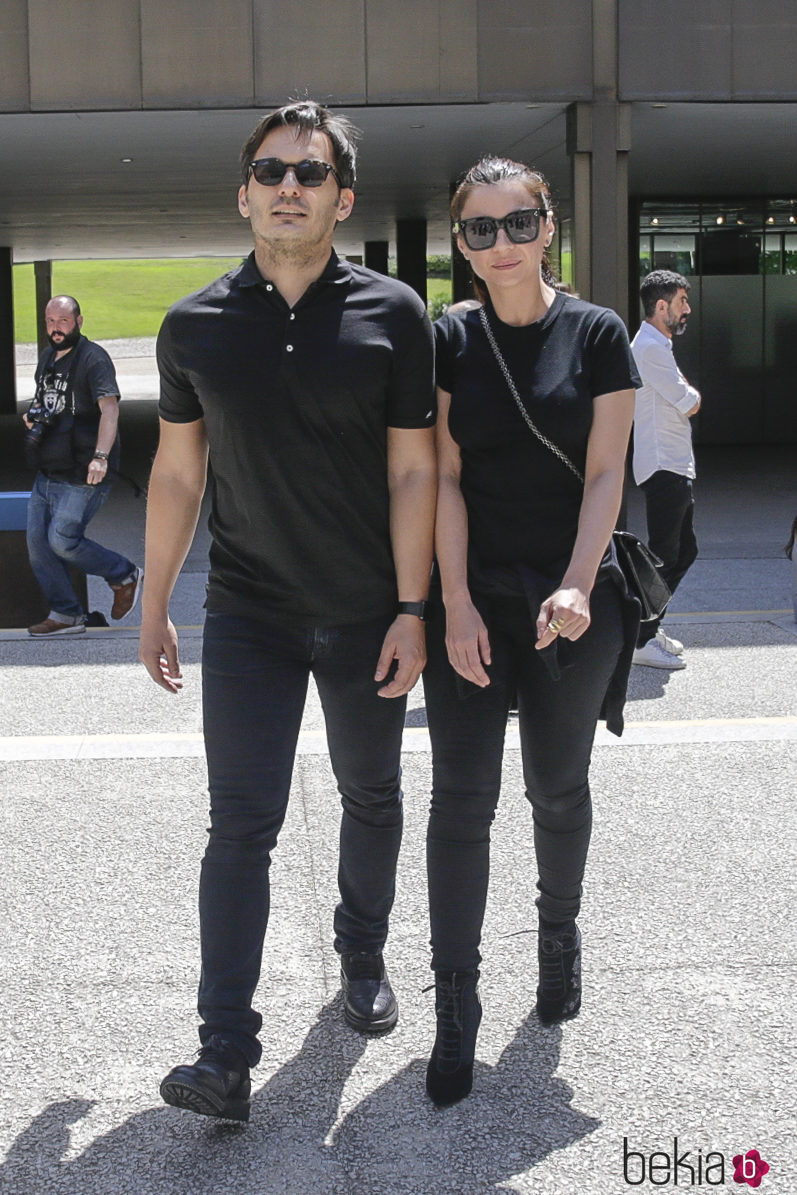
(335, 272)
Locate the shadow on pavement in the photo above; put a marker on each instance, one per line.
(394, 1139)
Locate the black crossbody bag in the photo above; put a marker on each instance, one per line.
(639, 566)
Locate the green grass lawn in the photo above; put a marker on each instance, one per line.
(438, 288)
(117, 298)
(129, 298)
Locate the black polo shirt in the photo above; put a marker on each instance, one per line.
(523, 504)
(297, 403)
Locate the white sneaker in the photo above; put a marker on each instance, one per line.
(655, 656)
(668, 643)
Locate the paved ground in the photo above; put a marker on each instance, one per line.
(687, 1028)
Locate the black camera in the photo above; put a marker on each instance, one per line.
(42, 413)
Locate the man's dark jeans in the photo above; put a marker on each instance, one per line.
(255, 677)
(670, 517)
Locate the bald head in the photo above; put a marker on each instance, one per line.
(63, 303)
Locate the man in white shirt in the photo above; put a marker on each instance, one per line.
(664, 464)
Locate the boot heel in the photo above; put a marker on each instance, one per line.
(449, 1075)
(559, 991)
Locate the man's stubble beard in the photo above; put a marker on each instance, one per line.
(293, 253)
(287, 251)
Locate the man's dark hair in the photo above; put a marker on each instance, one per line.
(308, 117)
(660, 284)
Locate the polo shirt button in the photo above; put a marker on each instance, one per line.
(269, 286)
(292, 316)
(288, 348)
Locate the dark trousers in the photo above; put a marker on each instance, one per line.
(669, 506)
(557, 720)
(255, 677)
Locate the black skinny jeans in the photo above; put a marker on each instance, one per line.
(254, 683)
(669, 507)
(557, 721)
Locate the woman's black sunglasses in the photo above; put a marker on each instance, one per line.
(522, 227)
(270, 172)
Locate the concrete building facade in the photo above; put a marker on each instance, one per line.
(667, 131)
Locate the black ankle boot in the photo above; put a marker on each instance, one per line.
(449, 1075)
(559, 954)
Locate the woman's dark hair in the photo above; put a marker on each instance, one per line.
(308, 117)
(489, 171)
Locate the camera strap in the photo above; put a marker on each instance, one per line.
(60, 379)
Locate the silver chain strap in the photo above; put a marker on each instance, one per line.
(563, 457)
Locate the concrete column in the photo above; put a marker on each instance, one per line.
(611, 137)
(43, 274)
(598, 141)
(579, 148)
(8, 381)
(411, 254)
(376, 255)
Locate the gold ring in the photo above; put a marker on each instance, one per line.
(556, 624)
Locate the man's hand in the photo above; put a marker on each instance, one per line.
(406, 642)
(98, 471)
(157, 651)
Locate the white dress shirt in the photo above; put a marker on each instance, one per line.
(662, 435)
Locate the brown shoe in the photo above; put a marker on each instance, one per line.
(51, 627)
(126, 595)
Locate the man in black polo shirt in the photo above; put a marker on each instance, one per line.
(308, 381)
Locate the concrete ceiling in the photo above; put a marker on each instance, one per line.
(65, 191)
(690, 150)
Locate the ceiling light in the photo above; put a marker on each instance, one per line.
(770, 220)
(125, 161)
(655, 221)
(792, 219)
(720, 220)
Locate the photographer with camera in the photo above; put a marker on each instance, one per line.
(72, 442)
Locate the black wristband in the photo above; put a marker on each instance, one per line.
(419, 609)
(100, 456)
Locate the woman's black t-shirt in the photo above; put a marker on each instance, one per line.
(523, 503)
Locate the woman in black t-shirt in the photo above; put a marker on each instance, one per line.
(524, 606)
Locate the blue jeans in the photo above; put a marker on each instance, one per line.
(255, 676)
(556, 720)
(58, 514)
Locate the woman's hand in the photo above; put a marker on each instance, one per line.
(565, 613)
(467, 641)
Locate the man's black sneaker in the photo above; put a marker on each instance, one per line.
(370, 1006)
(217, 1084)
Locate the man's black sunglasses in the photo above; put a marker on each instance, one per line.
(270, 172)
(522, 227)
